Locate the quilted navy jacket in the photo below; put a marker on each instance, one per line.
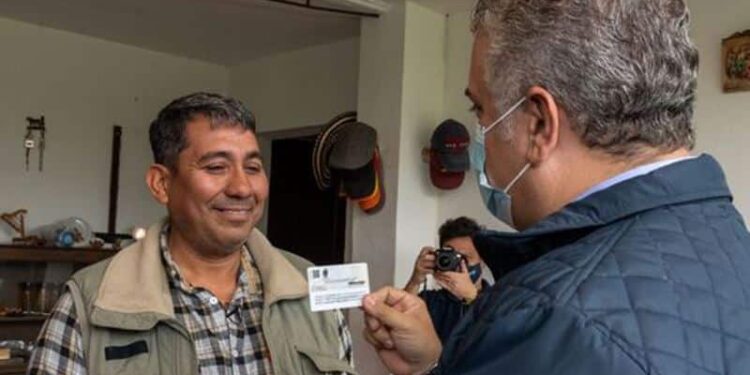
(650, 276)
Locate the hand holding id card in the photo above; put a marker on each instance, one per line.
(337, 287)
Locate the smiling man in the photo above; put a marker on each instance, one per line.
(204, 292)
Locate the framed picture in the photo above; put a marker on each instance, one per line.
(736, 62)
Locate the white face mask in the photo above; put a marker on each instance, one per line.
(497, 201)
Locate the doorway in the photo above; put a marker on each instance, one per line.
(302, 219)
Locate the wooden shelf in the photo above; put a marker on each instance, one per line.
(10, 253)
(23, 319)
(12, 368)
(25, 328)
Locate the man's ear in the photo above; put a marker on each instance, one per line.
(544, 129)
(158, 178)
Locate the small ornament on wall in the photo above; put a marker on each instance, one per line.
(736, 62)
(34, 139)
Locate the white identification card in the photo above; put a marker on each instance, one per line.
(338, 287)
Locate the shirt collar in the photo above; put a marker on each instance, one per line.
(630, 174)
(177, 280)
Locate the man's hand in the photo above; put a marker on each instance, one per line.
(398, 325)
(458, 283)
(424, 265)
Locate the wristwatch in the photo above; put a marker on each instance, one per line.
(470, 300)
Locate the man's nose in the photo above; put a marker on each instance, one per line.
(240, 184)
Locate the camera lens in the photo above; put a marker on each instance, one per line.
(447, 259)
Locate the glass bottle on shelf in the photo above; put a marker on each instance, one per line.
(65, 233)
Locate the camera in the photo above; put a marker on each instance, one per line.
(448, 259)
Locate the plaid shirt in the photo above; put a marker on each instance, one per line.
(227, 340)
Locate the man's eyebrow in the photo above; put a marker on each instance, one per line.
(214, 155)
(253, 155)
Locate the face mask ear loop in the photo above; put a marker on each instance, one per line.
(518, 177)
(503, 117)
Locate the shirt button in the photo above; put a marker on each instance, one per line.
(213, 300)
(235, 353)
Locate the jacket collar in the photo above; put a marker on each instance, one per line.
(281, 280)
(135, 282)
(683, 182)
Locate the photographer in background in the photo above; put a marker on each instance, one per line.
(456, 267)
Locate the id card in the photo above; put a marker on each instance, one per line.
(337, 287)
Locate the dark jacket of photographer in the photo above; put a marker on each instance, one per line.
(446, 310)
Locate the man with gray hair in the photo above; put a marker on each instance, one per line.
(631, 258)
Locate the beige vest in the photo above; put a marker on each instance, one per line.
(126, 302)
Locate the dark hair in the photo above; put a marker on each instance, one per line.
(458, 227)
(167, 131)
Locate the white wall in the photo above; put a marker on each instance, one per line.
(381, 67)
(423, 89)
(83, 86)
(299, 88)
(722, 120)
(401, 85)
(465, 200)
